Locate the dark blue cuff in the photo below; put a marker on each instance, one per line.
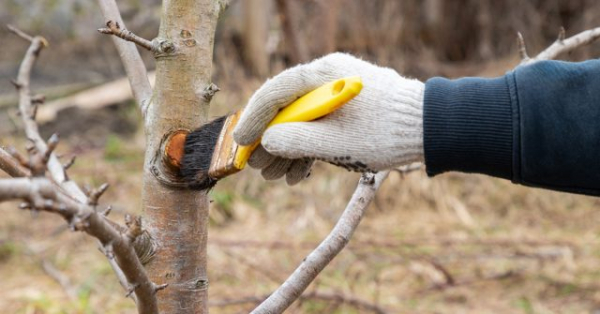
(468, 126)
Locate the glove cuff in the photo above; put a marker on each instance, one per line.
(406, 114)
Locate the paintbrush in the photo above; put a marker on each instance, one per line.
(210, 153)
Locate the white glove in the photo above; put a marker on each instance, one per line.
(380, 128)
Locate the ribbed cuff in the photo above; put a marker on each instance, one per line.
(467, 125)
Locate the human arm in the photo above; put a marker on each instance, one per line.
(537, 125)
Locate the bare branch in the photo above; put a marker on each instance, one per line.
(113, 28)
(69, 162)
(314, 263)
(95, 194)
(107, 211)
(562, 45)
(59, 195)
(522, 48)
(561, 34)
(158, 288)
(27, 113)
(130, 57)
(11, 166)
(41, 194)
(19, 33)
(38, 99)
(316, 295)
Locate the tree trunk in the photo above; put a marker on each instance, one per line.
(175, 216)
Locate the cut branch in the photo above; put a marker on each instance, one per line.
(560, 46)
(130, 57)
(316, 261)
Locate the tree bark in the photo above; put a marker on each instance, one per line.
(175, 216)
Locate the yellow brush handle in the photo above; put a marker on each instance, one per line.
(316, 104)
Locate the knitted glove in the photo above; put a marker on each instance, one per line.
(380, 128)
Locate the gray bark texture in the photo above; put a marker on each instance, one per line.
(177, 217)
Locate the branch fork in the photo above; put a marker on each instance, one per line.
(40, 180)
(560, 46)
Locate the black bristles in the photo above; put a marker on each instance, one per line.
(199, 148)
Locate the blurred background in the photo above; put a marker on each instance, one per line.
(452, 244)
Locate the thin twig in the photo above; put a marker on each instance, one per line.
(113, 28)
(522, 48)
(562, 45)
(337, 239)
(69, 162)
(11, 166)
(19, 32)
(130, 57)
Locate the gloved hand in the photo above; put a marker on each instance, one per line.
(380, 128)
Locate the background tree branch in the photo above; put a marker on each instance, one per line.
(560, 46)
(57, 194)
(130, 57)
(113, 28)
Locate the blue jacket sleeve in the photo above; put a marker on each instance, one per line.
(538, 125)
